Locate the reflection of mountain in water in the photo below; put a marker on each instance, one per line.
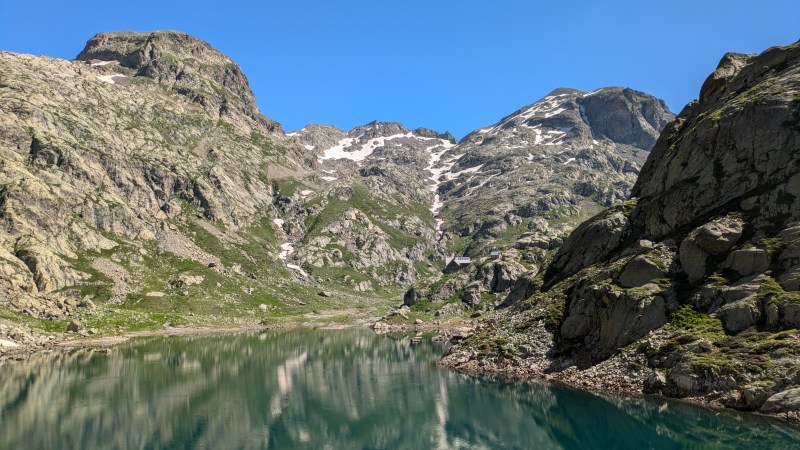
(323, 389)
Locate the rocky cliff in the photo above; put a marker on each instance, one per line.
(689, 288)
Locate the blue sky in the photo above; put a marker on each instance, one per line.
(452, 65)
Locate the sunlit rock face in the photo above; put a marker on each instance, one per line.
(696, 274)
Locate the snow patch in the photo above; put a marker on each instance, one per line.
(329, 178)
(101, 63)
(286, 250)
(278, 222)
(339, 150)
(306, 193)
(298, 269)
(437, 205)
(112, 79)
(308, 146)
(569, 161)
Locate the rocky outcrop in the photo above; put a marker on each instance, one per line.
(695, 277)
(731, 197)
(191, 67)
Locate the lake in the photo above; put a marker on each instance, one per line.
(330, 389)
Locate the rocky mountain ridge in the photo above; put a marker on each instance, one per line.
(521, 185)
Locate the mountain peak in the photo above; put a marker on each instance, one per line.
(191, 66)
(565, 91)
(576, 118)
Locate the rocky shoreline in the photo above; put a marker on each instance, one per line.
(602, 380)
(626, 372)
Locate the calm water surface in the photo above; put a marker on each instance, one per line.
(329, 389)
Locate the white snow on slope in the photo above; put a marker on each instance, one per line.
(342, 149)
(436, 175)
(112, 79)
(102, 63)
(287, 249)
(298, 269)
(546, 107)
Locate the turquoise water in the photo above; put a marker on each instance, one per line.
(329, 389)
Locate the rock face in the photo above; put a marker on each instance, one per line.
(191, 67)
(696, 274)
(735, 196)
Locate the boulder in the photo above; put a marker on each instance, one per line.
(8, 344)
(363, 286)
(591, 242)
(185, 280)
(325, 294)
(655, 382)
(262, 307)
(74, 326)
(754, 397)
(785, 401)
(740, 315)
(790, 280)
(693, 259)
(684, 378)
(748, 261)
(607, 319)
(718, 236)
(640, 271)
(87, 303)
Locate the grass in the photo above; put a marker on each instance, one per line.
(687, 320)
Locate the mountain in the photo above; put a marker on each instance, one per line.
(142, 179)
(521, 185)
(143, 186)
(689, 288)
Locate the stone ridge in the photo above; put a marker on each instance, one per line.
(190, 66)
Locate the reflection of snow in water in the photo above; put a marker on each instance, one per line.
(442, 404)
(285, 372)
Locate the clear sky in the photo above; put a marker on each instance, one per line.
(452, 65)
